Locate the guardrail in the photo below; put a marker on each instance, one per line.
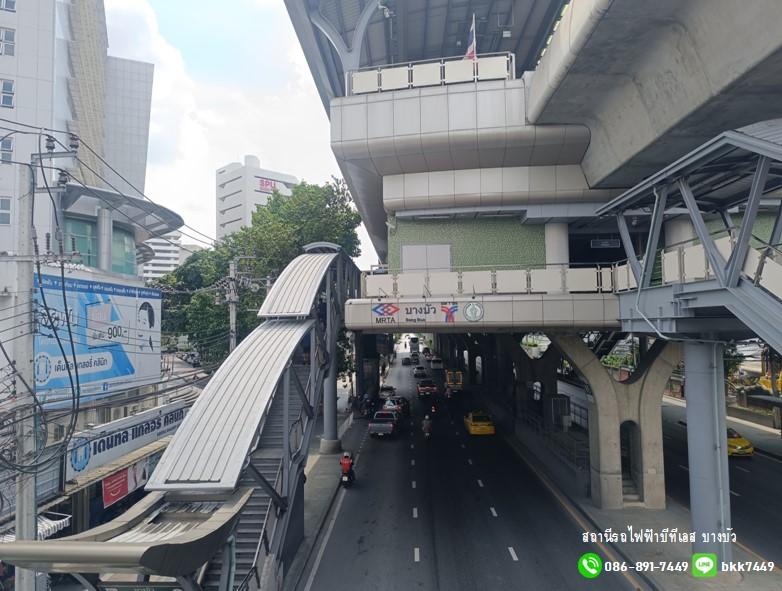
(427, 73)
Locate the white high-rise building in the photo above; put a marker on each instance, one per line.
(242, 188)
(167, 253)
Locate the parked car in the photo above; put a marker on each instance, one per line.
(478, 422)
(426, 388)
(419, 372)
(738, 445)
(384, 424)
(406, 361)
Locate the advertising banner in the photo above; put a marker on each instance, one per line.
(120, 484)
(96, 447)
(116, 333)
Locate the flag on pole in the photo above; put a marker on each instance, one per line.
(472, 50)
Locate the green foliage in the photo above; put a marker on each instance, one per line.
(312, 213)
(617, 361)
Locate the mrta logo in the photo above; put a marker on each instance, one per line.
(384, 313)
(450, 312)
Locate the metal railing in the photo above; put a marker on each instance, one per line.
(571, 451)
(428, 73)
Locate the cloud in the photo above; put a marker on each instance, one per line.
(199, 125)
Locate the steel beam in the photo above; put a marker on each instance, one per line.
(656, 224)
(303, 394)
(627, 242)
(714, 256)
(277, 499)
(736, 260)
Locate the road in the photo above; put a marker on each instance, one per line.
(755, 486)
(454, 513)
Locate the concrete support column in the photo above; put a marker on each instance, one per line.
(330, 442)
(557, 244)
(104, 239)
(358, 356)
(472, 372)
(707, 446)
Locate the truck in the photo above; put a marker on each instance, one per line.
(383, 424)
(454, 380)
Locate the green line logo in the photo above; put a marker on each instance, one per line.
(590, 565)
(704, 565)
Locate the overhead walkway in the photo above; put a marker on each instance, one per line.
(727, 272)
(226, 500)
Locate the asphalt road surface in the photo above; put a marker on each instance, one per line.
(453, 513)
(755, 487)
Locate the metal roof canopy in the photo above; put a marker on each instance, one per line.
(208, 450)
(719, 172)
(294, 292)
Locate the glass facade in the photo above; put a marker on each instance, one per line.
(123, 252)
(82, 236)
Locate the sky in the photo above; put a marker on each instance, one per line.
(227, 83)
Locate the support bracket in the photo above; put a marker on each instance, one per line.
(303, 395)
(279, 501)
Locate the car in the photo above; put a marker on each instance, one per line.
(398, 404)
(384, 423)
(738, 445)
(387, 390)
(426, 387)
(428, 355)
(415, 357)
(477, 422)
(406, 361)
(436, 363)
(419, 371)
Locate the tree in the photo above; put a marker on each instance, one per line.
(279, 231)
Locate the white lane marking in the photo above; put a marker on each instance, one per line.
(416, 554)
(765, 457)
(493, 511)
(735, 494)
(412, 462)
(667, 437)
(415, 512)
(469, 461)
(412, 446)
(513, 554)
(684, 468)
(743, 469)
(463, 446)
(457, 432)
(452, 422)
(325, 542)
(480, 483)
(413, 483)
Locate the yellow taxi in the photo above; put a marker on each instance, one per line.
(738, 445)
(478, 422)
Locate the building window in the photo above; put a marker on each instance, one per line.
(9, 5)
(82, 236)
(7, 93)
(7, 149)
(5, 211)
(123, 252)
(7, 41)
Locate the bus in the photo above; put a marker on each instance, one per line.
(414, 344)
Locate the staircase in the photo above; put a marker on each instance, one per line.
(630, 494)
(267, 459)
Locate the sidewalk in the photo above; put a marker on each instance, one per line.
(321, 488)
(765, 439)
(674, 517)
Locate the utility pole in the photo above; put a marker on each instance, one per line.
(26, 501)
(232, 297)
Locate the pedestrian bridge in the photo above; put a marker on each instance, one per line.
(226, 500)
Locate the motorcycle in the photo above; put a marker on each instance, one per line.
(345, 479)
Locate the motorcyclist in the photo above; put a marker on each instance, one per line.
(426, 425)
(346, 464)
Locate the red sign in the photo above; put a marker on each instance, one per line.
(266, 184)
(115, 487)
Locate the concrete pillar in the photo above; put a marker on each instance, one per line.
(637, 399)
(330, 442)
(104, 239)
(358, 356)
(557, 243)
(678, 230)
(707, 446)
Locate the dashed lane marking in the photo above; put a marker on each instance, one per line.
(463, 446)
(513, 554)
(415, 512)
(735, 494)
(493, 511)
(412, 462)
(685, 468)
(480, 483)
(416, 554)
(469, 461)
(412, 446)
(743, 469)
(413, 483)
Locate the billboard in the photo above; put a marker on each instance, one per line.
(116, 333)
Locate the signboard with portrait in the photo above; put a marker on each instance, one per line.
(116, 334)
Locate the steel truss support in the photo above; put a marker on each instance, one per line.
(736, 261)
(279, 501)
(302, 392)
(715, 258)
(627, 242)
(661, 198)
